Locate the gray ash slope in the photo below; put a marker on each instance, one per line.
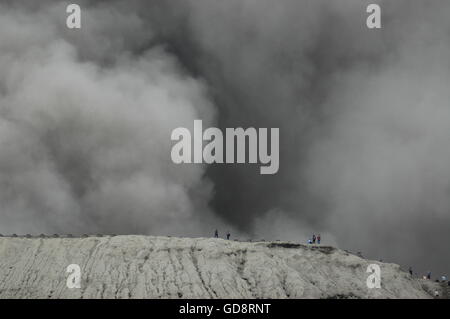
(164, 267)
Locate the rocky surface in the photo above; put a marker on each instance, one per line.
(164, 267)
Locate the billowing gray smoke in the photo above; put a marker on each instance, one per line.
(364, 120)
(85, 127)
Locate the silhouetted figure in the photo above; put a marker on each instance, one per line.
(314, 239)
(216, 234)
(410, 271)
(318, 239)
(228, 235)
(429, 275)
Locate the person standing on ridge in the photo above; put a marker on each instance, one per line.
(228, 235)
(410, 271)
(318, 239)
(314, 239)
(216, 234)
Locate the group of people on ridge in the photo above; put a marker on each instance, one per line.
(216, 234)
(428, 276)
(313, 239)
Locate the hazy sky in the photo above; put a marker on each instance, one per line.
(364, 118)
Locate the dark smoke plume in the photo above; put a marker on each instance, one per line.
(86, 117)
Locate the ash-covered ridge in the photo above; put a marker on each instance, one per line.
(168, 267)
